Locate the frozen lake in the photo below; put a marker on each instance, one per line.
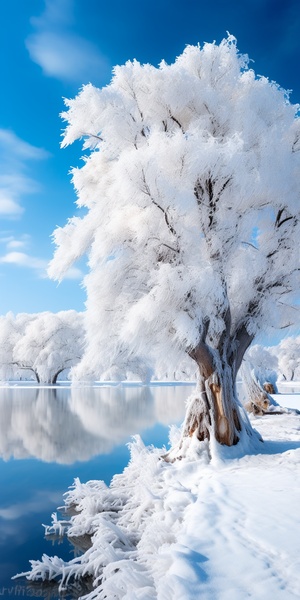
(49, 436)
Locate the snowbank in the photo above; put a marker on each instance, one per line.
(220, 529)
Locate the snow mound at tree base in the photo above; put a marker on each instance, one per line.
(224, 529)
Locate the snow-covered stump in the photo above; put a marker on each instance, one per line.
(269, 387)
(259, 400)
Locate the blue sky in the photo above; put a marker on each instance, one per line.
(49, 48)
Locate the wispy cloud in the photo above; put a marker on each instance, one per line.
(11, 242)
(19, 148)
(8, 205)
(39, 265)
(16, 244)
(15, 180)
(21, 259)
(61, 52)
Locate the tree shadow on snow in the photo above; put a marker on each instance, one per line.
(278, 447)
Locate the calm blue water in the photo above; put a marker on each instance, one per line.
(50, 436)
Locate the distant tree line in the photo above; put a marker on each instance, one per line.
(43, 345)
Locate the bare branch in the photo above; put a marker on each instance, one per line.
(148, 193)
(249, 244)
(170, 247)
(93, 135)
(286, 326)
(280, 222)
(284, 221)
(176, 121)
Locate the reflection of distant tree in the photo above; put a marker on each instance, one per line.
(64, 426)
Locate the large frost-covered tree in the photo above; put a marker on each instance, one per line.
(191, 195)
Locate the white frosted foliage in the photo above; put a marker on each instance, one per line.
(44, 344)
(288, 353)
(191, 186)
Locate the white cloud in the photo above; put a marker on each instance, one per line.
(19, 148)
(11, 242)
(9, 206)
(21, 259)
(67, 56)
(16, 244)
(15, 257)
(15, 182)
(62, 53)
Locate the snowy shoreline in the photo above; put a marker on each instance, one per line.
(209, 526)
(66, 383)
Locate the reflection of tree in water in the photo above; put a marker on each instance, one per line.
(37, 423)
(170, 403)
(49, 590)
(116, 412)
(64, 426)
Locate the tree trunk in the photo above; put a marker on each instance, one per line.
(214, 410)
(54, 378)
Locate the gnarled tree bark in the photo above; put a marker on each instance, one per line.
(214, 409)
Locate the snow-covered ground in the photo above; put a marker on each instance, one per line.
(208, 527)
